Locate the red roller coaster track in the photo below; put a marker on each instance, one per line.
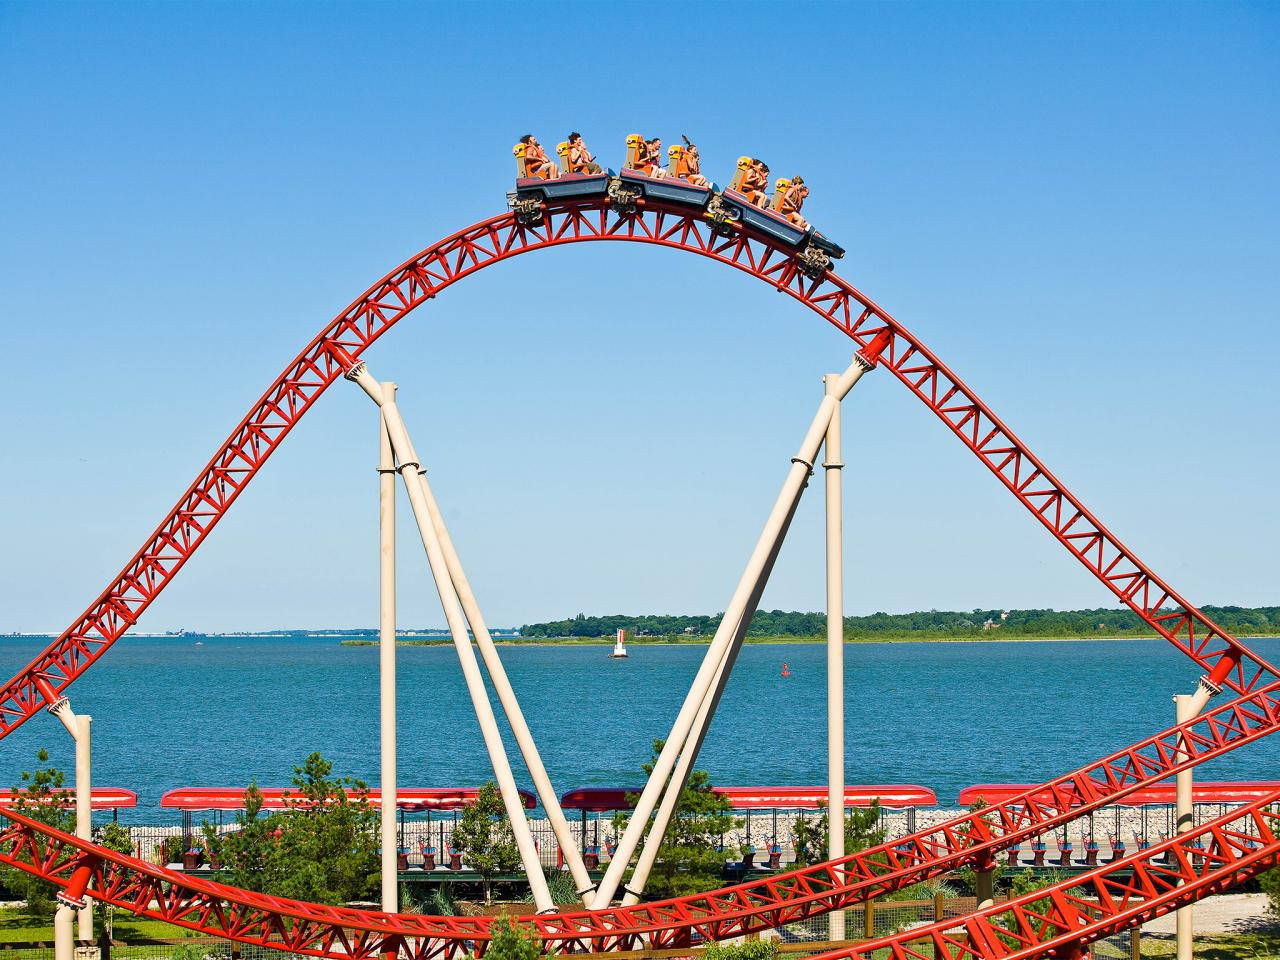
(327, 931)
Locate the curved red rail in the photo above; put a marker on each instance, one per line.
(419, 279)
(226, 912)
(223, 911)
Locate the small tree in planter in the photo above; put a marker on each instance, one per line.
(689, 859)
(323, 849)
(41, 796)
(115, 837)
(484, 836)
(861, 830)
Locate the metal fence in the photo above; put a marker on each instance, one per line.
(593, 833)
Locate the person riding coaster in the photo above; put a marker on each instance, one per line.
(751, 180)
(645, 156)
(532, 162)
(686, 164)
(789, 197)
(578, 158)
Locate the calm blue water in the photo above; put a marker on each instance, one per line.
(169, 713)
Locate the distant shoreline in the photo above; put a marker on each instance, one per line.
(437, 640)
(990, 637)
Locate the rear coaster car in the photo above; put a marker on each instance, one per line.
(531, 192)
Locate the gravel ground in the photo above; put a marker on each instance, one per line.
(1227, 913)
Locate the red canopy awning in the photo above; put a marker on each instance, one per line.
(408, 799)
(896, 796)
(602, 799)
(101, 798)
(1231, 791)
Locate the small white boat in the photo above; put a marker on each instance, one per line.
(619, 647)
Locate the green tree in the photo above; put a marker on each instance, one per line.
(484, 836)
(861, 830)
(512, 941)
(41, 796)
(1020, 885)
(690, 859)
(323, 848)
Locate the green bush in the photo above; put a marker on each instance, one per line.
(746, 950)
(43, 797)
(861, 830)
(323, 848)
(512, 941)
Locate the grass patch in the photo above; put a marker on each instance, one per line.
(17, 926)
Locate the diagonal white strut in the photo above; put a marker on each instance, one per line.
(726, 637)
(706, 712)
(419, 496)
(510, 705)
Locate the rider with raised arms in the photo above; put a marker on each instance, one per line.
(580, 158)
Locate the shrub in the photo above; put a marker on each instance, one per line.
(746, 950)
(512, 941)
(42, 797)
(324, 848)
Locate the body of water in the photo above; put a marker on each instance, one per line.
(176, 712)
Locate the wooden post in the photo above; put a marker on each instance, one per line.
(937, 908)
(869, 920)
(1135, 943)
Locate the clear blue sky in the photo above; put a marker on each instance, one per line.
(1076, 205)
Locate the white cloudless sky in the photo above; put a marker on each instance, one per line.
(1075, 205)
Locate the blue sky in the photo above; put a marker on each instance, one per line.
(1075, 205)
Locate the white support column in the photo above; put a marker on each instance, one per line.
(84, 810)
(408, 465)
(801, 467)
(64, 923)
(79, 726)
(387, 656)
(1185, 709)
(832, 467)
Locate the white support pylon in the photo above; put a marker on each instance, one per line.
(832, 468)
(408, 466)
(797, 476)
(1184, 810)
(387, 656)
(80, 727)
(64, 943)
(1186, 708)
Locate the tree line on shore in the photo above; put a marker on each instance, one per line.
(1247, 621)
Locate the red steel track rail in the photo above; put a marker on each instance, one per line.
(308, 928)
(1076, 912)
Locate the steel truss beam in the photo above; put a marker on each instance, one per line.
(1215, 857)
(422, 277)
(255, 918)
